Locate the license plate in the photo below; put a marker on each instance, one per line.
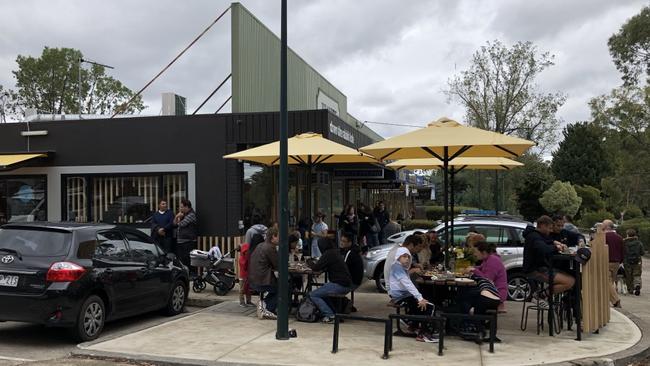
(8, 281)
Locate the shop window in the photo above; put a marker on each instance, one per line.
(121, 199)
(23, 199)
(258, 193)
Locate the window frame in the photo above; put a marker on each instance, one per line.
(29, 176)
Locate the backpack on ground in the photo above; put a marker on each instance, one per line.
(307, 311)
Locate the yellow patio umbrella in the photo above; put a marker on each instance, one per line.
(458, 164)
(307, 149)
(446, 140)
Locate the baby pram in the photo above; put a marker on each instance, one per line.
(218, 271)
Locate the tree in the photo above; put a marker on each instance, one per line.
(561, 198)
(630, 47)
(591, 199)
(9, 107)
(50, 83)
(581, 157)
(531, 181)
(499, 92)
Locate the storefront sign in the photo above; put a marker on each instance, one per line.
(359, 173)
(342, 133)
(387, 185)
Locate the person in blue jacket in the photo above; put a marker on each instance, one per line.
(162, 227)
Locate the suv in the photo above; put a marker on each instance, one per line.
(79, 276)
(505, 231)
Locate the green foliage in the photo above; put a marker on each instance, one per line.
(589, 218)
(581, 157)
(437, 212)
(630, 47)
(632, 212)
(499, 92)
(50, 83)
(642, 227)
(418, 224)
(613, 194)
(591, 199)
(561, 198)
(531, 181)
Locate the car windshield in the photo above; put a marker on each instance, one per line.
(35, 243)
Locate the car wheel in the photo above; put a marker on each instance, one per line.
(518, 287)
(91, 319)
(221, 288)
(177, 299)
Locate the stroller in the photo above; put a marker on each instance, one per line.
(219, 271)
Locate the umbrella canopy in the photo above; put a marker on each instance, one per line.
(457, 164)
(306, 149)
(446, 134)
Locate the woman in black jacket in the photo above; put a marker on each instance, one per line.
(349, 222)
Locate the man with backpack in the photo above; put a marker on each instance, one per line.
(340, 282)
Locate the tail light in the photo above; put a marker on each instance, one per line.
(64, 272)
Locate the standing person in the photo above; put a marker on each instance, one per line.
(616, 255)
(186, 233)
(383, 218)
(340, 282)
(392, 228)
(318, 230)
(244, 259)
(368, 228)
(162, 227)
(633, 262)
(256, 228)
(263, 263)
(491, 268)
(349, 223)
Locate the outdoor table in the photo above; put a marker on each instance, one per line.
(577, 290)
(450, 283)
(303, 269)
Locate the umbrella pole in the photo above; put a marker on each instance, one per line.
(452, 174)
(445, 169)
(282, 325)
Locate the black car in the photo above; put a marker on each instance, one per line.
(81, 275)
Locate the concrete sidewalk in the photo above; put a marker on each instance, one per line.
(227, 334)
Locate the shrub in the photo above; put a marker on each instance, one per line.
(437, 212)
(418, 224)
(589, 218)
(632, 212)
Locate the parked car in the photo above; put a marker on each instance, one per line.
(399, 237)
(505, 231)
(80, 276)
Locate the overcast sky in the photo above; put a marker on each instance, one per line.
(391, 58)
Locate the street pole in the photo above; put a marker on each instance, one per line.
(282, 332)
(496, 192)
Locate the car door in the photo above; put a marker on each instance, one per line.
(117, 271)
(155, 275)
(499, 236)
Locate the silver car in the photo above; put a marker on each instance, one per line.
(505, 231)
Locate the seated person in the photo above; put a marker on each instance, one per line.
(479, 299)
(537, 250)
(563, 235)
(352, 258)
(491, 268)
(295, 279)
(340, 282)
(403, 292)
(261, 267)
(414, 244)
(435, 246)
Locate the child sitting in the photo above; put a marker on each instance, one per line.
(403, 292)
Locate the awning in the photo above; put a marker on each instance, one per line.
(11, 161)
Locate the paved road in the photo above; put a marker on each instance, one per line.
(22, 344)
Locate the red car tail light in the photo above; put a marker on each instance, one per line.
(64, 272)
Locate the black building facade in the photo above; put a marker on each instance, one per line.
(114, 170)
